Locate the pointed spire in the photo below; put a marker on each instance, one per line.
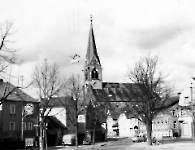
(91, 49)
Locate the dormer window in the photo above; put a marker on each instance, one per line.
(94, 74)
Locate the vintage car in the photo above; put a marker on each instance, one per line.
(139, 138)
(69, 139)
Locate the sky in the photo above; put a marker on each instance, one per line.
(125, 31)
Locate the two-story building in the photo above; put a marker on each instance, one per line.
(13, 115)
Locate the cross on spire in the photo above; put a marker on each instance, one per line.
(91, 19)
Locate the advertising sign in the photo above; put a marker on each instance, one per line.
(29, 141)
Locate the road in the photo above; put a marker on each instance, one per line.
(127, 144)
(115, 145)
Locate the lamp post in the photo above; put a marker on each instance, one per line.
(191, 90)
(41, 129)
(22, 130)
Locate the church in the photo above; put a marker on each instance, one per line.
(119, 122)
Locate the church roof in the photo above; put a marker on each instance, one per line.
(119, 93)
(91, 49)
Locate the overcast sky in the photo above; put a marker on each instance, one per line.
(125, 31)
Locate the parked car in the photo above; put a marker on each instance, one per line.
(87, 141)
(139, 138)
(69, 139)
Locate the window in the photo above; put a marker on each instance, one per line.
(29, 126)
(12, 109)
(12, 125)
(24, 125)
(174, 124)
(173, 113)
(94, 74)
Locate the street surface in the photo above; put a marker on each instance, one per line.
(127, 144)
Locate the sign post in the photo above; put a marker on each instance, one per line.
(29, 142)
(28, 109)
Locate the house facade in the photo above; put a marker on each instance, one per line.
(186, 115)
(12, 115)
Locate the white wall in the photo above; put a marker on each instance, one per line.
(186, 128)
(187, 93)
(124, 126)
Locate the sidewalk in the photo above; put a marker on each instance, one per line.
(168, 146)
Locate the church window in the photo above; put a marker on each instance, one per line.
(94, 74)
(86, 77)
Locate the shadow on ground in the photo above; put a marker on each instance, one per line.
(173, 140)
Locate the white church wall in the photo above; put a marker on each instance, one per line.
(124, 126)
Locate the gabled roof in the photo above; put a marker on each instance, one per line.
(57, 123)
(91, 49)
(14, 93)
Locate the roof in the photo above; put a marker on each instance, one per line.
(57, 123)
(91, 49)
(66, 101)
(121, 92)
(113, 92)
(14, 93)
(56, 101)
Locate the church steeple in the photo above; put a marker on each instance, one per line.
(92, 69)
(91, 49)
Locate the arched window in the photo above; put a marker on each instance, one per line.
(94, 74)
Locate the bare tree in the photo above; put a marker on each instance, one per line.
(7, 54)
(149, 94)
(47, 80)
(99, 110)
(76, 104)
(7, 57)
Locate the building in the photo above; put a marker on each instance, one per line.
(13, 102)
(186, 110)
(115, 93)
(118, 122)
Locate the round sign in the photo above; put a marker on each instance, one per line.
(29, 109)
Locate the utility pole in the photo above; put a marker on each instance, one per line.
(22, 130)
(41, 129)
(193, 138)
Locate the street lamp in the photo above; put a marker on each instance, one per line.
(23, 116)
(193, 138)
(41, 128)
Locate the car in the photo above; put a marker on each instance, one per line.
(139, 138)
(69, 139)
(86, 142)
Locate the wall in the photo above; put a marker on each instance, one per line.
(6, 118)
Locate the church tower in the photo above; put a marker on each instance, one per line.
(92, 69)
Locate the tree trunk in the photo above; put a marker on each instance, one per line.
(93, 137)
(76, 132)
(149, 132)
